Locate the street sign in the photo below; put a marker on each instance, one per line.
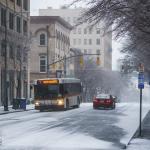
(141, 81)
(141, 86)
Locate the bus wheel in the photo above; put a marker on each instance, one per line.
(78, 103)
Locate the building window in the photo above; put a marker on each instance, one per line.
(79, 41)
(25, 26)
(11, 20)
(74, 31)
(98, 31)
(85, 51)
(3, 17)
(25, 4)
(18, 24)
(90, 41)
(11, 53)
(25, 54)
(18, 55)
(98, 41)
(90, 30)
(98, 51)
(3, 47)
(79, 30)
(42, 39)
(89, 51)
(85, 31)
(19, 2)
(85, 41)
(12, 0)
(74, 41)
(43, 63)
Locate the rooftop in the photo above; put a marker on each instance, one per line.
(49, 19)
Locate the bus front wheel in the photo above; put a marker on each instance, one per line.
(41, 110)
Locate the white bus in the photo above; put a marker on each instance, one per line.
(57, 93)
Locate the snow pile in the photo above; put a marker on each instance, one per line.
(139, 144)
(130, 121)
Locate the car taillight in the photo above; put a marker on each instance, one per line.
(95, 100)
(108, 101)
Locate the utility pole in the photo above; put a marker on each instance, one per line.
(6, 67)
(65, 67)
(47, 31)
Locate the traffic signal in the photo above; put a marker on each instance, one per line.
(81, 60)
(98, 60)
(53, 66)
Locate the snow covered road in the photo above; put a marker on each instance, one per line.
(76, 129)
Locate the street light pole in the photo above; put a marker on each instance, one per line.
(47, 31)
(65, 67)
(6, 67)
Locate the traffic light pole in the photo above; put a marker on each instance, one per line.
(65, 60)
(47, 27)
(69, 58)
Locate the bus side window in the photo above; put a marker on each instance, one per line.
(66, 88)
(61, 89)
(66, 92)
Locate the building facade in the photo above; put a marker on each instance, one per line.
(50, 43)
(88, 40)
(14, 24)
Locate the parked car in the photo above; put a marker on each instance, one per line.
(104, 101)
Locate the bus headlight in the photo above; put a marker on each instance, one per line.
(60, 102)
(37, 104)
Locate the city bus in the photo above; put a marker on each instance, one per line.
(57, 93)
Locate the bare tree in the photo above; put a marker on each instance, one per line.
(130, 18)
(96, 79)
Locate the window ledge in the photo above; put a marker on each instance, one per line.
(42, 45)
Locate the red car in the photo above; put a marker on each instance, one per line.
(104, 101)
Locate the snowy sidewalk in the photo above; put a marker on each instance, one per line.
(143, 142)
(2, 112)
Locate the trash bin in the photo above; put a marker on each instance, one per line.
(23, 103)
(16, 103)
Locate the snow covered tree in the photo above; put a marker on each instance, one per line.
(128, 18)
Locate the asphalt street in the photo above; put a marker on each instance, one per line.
(28, 130)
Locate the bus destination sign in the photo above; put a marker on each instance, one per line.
(48, 81)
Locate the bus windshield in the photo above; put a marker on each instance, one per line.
(46, 91)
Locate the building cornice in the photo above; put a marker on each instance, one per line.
(49, 19)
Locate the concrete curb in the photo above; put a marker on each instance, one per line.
(16, 111)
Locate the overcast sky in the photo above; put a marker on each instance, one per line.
(37, 4)
(41, 4)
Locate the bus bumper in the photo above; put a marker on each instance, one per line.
(47, 107)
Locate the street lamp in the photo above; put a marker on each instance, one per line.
(47, 31)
